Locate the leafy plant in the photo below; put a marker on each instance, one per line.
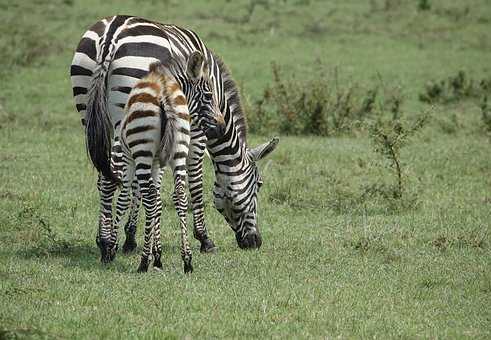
(389, 136)
(486, 115)
(424, 5)
(455, 88)
(311, 107)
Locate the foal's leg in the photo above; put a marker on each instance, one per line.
(181, 204)
(130, 227)
(157, 245)
(106, 189)
(150, 203)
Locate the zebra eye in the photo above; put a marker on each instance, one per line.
(259, 182)
(208, 96)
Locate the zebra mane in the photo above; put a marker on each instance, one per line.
(233, 98)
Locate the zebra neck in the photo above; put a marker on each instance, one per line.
(229, 153)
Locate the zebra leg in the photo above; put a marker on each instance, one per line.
(106, 189)
(195, 173)
(149, 198)
(122, 205)
(157, 245)
(181, 205)
(130, 227)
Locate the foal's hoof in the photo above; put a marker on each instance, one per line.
(143, 268)
(207, 246)
(108, 252)
(129, 246)
(157, 263)
(112, 253)
(188, 267)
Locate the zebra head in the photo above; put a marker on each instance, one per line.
(202, 102)
(237, 201)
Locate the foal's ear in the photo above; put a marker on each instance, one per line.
(261, 151)
(197, 66)
(155, 66)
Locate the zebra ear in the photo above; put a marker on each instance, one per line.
(197, 66)
(155, 66)
(261, 151)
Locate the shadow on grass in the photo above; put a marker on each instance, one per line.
(25, 333)
(77, 255)
(82, 255)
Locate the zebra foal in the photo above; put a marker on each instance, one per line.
(155, 132)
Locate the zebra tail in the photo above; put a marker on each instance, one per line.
(169, 127)
(98, 128)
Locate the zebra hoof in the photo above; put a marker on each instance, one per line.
(143, 268)
(157, 263)
(188, 267)
(108, 252)
(207, 246)
(129, 246)
(112, 252)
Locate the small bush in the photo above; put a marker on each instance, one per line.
(310, 107)
(388, 137)
(474, 239)
(454, 89)
(450, 124)
(424, 5)
(372, 243)
(486, 115)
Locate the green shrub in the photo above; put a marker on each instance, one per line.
(310, 107)
(388, 137)
(454, 89)
(486, 115)
(424, 5)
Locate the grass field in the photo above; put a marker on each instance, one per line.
(336, 261)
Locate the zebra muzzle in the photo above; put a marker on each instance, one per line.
(249, 241)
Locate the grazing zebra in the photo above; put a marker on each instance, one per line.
(155, 132)
(111, 57)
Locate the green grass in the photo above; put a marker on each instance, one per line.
(333, 262)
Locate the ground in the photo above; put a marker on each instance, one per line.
(335, 261)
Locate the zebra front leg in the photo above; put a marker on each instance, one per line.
(106, 189)
(149, 198)
(130, 227)
(195, 175)
(181, 204)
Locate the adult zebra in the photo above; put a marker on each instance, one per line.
(110, 58)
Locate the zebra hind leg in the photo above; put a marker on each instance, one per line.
(157, 245)
(130, 228)
(181, 205)
(149, 188)
(106, 189)
(122, 205)
(150, 203)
